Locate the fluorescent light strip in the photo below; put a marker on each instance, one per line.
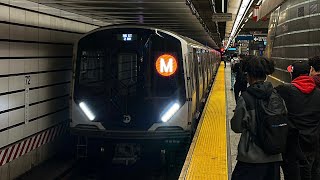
(87, 111)
(242, 11)
(173, 109)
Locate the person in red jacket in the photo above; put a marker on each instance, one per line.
(314, 63)
(302, 98)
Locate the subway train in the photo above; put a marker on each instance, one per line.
(134, 82)
(293, 34)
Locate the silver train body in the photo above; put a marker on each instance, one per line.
(294, 34)
(116, 80)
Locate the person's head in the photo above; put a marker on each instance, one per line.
(235, 55)
(299, 68)
(258, 68)
(314, 63)
(242, 56)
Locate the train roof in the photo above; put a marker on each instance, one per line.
(174, 34)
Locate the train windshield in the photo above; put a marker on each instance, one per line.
(131, 73)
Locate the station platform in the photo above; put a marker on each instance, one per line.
(212, 154)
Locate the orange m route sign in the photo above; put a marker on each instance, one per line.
(166, 65)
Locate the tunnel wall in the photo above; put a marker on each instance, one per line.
(36, 45)
(294, 34)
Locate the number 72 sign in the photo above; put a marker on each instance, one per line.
(166, 65)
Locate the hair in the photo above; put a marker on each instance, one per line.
(235, 55)
(258, 67)
(300, 68)
(242, 56)
(315, 63)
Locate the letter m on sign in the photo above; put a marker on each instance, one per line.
(166, 67)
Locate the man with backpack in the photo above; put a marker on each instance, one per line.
(303, 104)
(261, 118)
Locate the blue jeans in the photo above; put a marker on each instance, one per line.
(233, 77)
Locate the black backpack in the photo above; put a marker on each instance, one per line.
(272, 122)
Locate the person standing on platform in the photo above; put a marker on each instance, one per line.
(301, 158)
(233, 61)
(241, 78)
(253, 162)
(314, 63)
(225, 58)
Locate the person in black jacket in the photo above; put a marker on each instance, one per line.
(303, 103)
(241, 78)
(253, 163)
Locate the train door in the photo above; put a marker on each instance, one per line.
(196, 73)
(200, 73)
(191, 79)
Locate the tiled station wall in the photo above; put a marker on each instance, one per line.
(36, 46)
(293, 34)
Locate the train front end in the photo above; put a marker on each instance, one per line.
(129, 84)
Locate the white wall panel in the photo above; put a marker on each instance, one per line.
(16, 83)
(17, 49)
(17, 32)
(16, 66)
(30, 50)
(4, 30)
(31, 34)
(16, 100)
(16, 117)
(17, 15)
(32, 18)
(4, 84)
(34, 96)
(4, 117)
(31, 65)
(4, 13)
(44, 35)
(4, 68)
(4, 49)
(4, 102)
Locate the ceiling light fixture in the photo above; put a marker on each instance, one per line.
(241, 13)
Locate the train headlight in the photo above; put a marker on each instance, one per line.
(87, 111)
(171, 111)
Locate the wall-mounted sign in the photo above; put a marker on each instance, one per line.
(222, 17)
(244, 37)
(166, 65)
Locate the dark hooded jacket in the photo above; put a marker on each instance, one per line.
(244, 121)
(303, 103)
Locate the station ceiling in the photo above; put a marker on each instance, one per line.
(189, 19)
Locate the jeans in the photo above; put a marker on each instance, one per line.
(233, 78)
(256, 171)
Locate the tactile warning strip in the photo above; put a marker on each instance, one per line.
(207, 157)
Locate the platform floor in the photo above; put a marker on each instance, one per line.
(208, 154)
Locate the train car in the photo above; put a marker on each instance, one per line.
(293, 35)
(139, 83)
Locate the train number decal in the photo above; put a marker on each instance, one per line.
(166, 65)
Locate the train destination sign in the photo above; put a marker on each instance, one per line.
(166, 65)
(221, 17)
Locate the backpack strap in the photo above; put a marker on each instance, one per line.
(250, 105)
(249, 100)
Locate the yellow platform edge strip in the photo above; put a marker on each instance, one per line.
(207, 156)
